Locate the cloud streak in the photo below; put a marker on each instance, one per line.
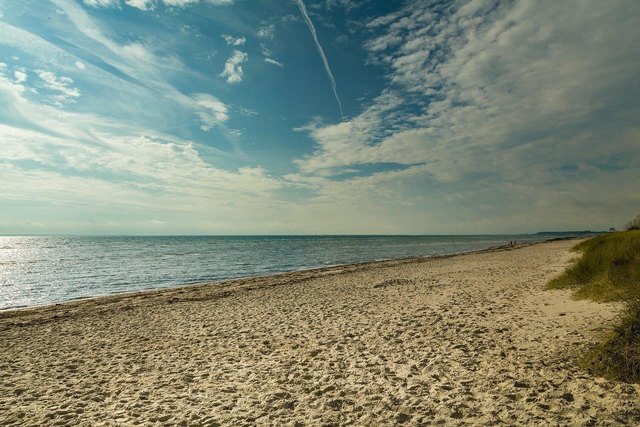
(312, 29)
(273, 62)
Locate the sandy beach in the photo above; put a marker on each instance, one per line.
(471, 339)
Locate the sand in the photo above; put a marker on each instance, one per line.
(471, 339)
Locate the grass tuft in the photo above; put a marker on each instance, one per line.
(609, 270)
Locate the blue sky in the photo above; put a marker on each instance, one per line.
(323, 116)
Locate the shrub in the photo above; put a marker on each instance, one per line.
(634, 224)
(609, 270)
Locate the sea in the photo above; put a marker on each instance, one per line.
(40, 270)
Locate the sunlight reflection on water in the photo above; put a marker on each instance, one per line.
(44, 270)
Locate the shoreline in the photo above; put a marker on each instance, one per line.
(235, 281)
(471, 339)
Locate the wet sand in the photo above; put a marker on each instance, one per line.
(471, 339)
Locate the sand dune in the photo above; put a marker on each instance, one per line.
(472, 339)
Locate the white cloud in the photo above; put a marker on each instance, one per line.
(247, 111)
(168, 168)
(492, 119)
(349, 142)
(233, 71)
(479, 87)
(145, 73)
(102, 3)
(142, 4)
(517, 109)
(273, 62)
(179, 3)
(140, 62)
(133, 59)
(383, 42)
(265, 50)
(219, 2)
(234, 41)
(182, 3)
(150, 4)
(20, 76)
(87, 162)
(213, 111)
(346, 4)
(266, 32)
(55, 58)
(63, 85)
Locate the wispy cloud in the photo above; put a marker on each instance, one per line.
(62, 85)
(266, 32)
(265, 35)
(102, 3)
(133, 58)
(182, 3)
(142, 4)
(312, 29)
(479, 116)
(273, 62)
(145, 68)
(213, 110)
(346, 4)
(86, 162)
(234, 41)
(233, 71)
(150, 4)
(495, 104)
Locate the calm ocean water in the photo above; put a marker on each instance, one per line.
(45, 270)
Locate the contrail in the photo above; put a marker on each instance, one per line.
(303, 10)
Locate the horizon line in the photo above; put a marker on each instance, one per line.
(301, 234)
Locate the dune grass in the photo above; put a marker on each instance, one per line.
(609, 270)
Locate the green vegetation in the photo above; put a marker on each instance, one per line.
(609, 270)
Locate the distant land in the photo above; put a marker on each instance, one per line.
(564, 233)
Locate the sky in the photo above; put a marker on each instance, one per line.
(318, 116)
